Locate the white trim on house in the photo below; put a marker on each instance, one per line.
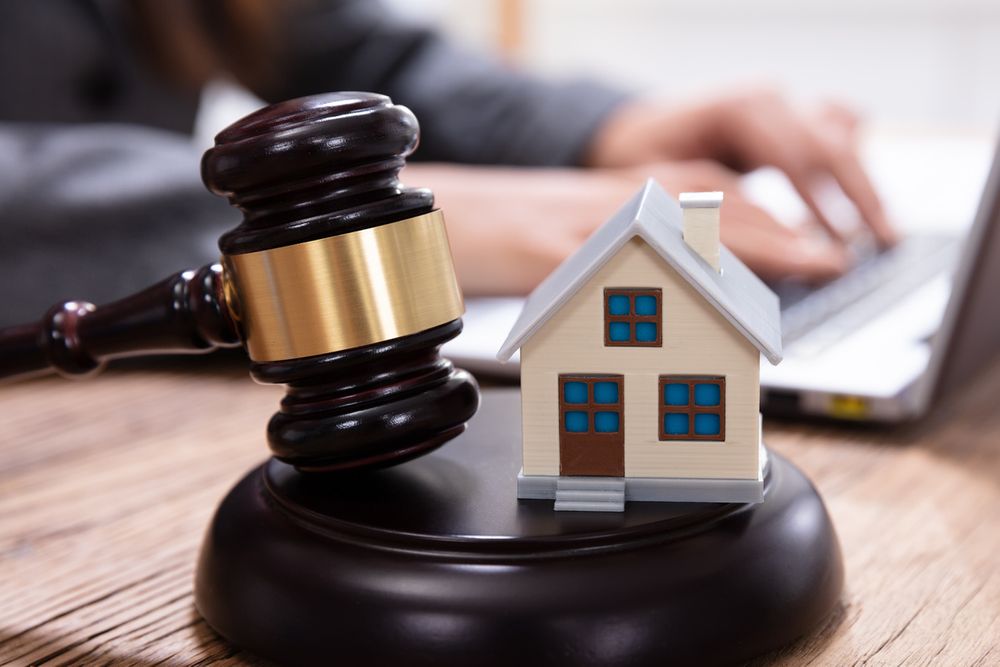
(653, 215)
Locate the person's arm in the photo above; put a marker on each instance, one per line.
(510, 227)
(472, 108)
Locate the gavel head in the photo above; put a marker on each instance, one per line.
(341, 281)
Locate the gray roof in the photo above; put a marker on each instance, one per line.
(653, 215)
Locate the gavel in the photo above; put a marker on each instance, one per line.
(338, 282)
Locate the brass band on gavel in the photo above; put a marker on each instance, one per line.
(344, 291)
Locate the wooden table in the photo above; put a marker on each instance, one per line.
(106, 488)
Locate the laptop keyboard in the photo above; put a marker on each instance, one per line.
(877, 281)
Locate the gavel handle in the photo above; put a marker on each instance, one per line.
(186, 313)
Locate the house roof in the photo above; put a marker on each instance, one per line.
(654, 216)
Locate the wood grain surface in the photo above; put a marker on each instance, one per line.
(106, 487)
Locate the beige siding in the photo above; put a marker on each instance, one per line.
(696, 340)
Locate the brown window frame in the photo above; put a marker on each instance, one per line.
(691, 409)
(591, 406)
(632, 319)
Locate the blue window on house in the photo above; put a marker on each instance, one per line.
(619, 332)
(606, 422)
(618, 304)
(707, 394)
(692, 407)
(575, 392)
(645, 304)
(633, 317)
(676, 423)
(706, 424)
(605, 392)
(576, 421)
(645, 332)
(591, 404)
(676, 393)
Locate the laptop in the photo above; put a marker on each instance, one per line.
(902, 330)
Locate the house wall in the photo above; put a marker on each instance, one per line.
(697, 339)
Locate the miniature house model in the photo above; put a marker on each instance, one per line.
(640, 364)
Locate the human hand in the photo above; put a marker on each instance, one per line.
(745, 131)
(509, 228)
(774, 251)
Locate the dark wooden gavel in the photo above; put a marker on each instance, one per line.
(339, 283)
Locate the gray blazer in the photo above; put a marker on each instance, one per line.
(99, 188)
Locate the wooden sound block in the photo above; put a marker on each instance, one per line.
(436, 562)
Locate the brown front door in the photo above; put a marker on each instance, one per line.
(592, 425)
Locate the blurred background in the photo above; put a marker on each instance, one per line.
(919, 62)
(914, 64)
(923, 74)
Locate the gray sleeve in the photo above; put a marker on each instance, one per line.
(471, 108)
(115, 208)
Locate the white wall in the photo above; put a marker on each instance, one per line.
(914, 61)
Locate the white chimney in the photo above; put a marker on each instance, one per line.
(701, 224)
